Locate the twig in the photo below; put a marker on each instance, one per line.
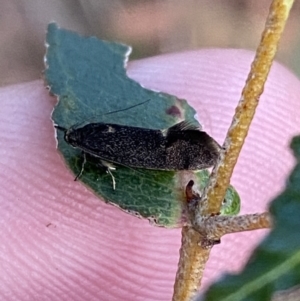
(191, 255)
(213, 227)
(191, 265)
(217, 226)
(265, 53)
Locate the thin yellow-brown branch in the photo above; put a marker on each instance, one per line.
(192, 262)
(193, 256)
(214, 227)
(245, 110)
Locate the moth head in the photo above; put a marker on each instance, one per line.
(70, 135)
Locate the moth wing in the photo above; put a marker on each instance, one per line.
(185, 131)
(189, 148)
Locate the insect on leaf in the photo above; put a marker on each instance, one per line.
(89, 78)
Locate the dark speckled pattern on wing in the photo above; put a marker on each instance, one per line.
(181, 147)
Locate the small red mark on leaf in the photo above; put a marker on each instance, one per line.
(174, 111)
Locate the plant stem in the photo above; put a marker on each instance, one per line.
(265, 53)
(193, 256)
(217, 226)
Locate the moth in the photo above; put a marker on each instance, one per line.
(181, 147)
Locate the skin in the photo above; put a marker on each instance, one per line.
(59, 242)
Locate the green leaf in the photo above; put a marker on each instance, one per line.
(231, 204)
(275, 264)
(89, 77)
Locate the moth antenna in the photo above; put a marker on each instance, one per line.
(60, 128)
(131, 107)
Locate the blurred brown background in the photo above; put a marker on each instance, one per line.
(150, 26)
